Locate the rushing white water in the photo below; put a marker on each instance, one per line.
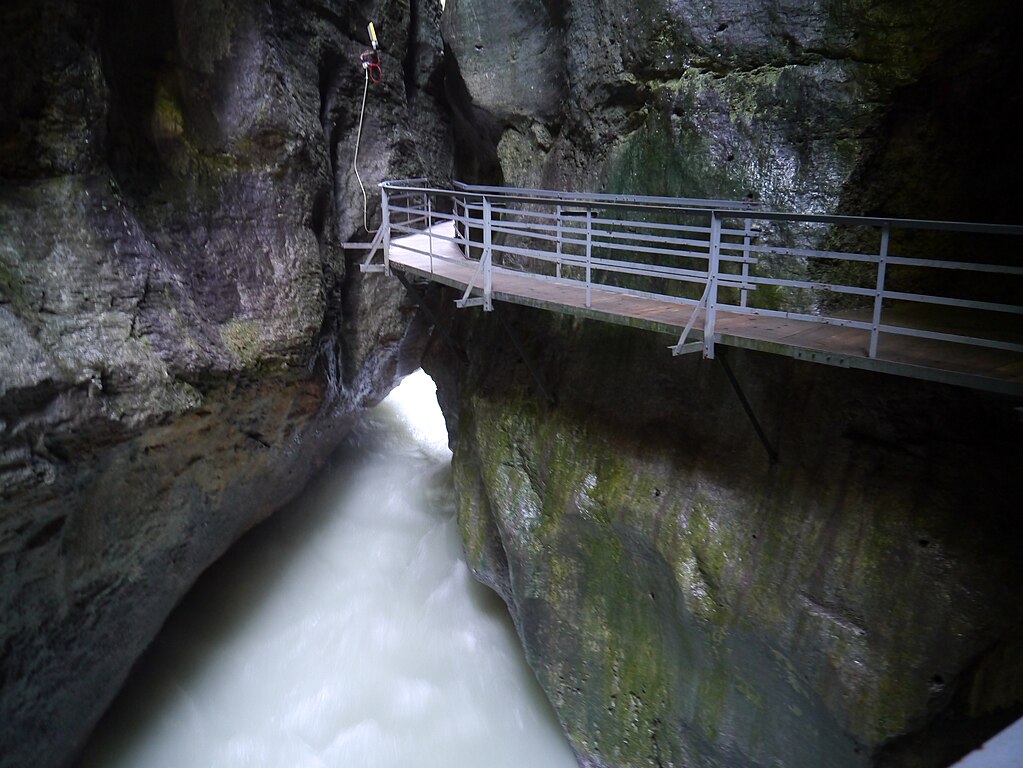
(346, 631)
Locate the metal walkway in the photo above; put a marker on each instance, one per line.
(846, 291)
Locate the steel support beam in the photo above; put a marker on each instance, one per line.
(525, 359)
(772, 452)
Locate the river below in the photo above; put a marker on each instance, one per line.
(347, 631)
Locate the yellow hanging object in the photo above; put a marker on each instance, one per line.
(372, 35)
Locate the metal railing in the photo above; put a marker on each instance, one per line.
(721, 256)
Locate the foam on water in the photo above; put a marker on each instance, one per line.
(347, 631)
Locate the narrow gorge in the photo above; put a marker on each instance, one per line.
(184, 342)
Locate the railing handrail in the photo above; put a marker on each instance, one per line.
(554, 195)
(880, 221)
(484, 212)
(584, 199)
(748, 209)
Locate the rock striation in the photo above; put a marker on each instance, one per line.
(182, 339)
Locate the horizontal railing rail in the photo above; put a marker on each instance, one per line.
(716, 255)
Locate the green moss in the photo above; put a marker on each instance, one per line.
(673, 584)
(707, 540)
(682, 598)
(670, 159)
(168, 122)
(671, 156)
(585, 534)
(625, 646)
(472, 516)
(713, 693)
(244, 339)
(196, 168)
(11, 288)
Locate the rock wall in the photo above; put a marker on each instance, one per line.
(182, 338)
(864, 106)
(683, 601)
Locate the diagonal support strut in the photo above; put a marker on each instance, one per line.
(771, 450)
(522, 354)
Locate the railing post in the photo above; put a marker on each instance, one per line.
(429, 229)
(385, 224)
(488, 263)
(560, 236)
(882, 265)
(460, 230)
(589, 251)
(712, 284)
(747, 239)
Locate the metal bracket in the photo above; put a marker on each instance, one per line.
(681, 348)
(376, 244)
(814, 356)
(685, 349)
(464, 303)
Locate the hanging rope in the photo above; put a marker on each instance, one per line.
(373, 72)
(355, 160)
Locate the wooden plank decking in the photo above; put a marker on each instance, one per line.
(952, 363)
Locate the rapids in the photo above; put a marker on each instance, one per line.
(347, 631)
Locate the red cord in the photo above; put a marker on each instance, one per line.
(371, 63)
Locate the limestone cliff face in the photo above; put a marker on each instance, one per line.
(181, 339)
(789, 101)
(683, 601)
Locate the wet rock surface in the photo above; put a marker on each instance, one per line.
(182, 338)
(784, 101)
(182, 341)
(683, 601)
